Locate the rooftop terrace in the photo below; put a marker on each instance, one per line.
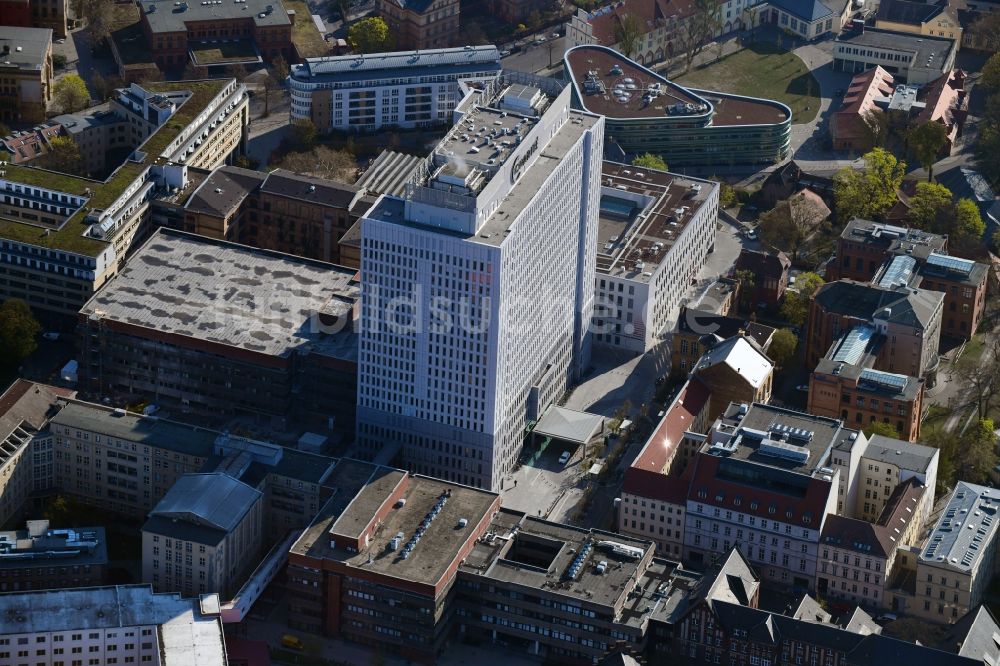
(643, 213)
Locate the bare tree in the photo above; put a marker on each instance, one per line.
(628, 33)
(980, 377)
(698, 28)
(875, 124)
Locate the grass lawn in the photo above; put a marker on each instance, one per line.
(762, 70)
(306, 38)
(212, 52)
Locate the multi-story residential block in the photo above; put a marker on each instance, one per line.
(278, 210)
(735, 370)
(958, 560)
(646, 113)
(62, 237)
(25, 73)
(41, 558)
(938, 19)
(119, 624)
(278, 328)
(654, 497)
(421, 24)
(770, 275)
(204, 536)
(912, 59)
(191, 32)
(857, 556)
(653, 235)
(766, 479)
(500, 227)
(698, 330)
(471, 568)
(862, 396)
(888, 462)
(400, 89)
(904, 323)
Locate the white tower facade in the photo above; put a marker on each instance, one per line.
(478, 285)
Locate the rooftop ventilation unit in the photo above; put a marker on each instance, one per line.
(783, 450)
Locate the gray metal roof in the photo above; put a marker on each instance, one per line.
(211, 500)
(27, 47)
(906, 455)
(853, 344)
(349, 67)
(964, 531)
(389, 173)
(569, 425)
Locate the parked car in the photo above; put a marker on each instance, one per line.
(751, 234)
(564, 458)
(554, 35)
(504, 53)
(539, 41)
(802, 387)
(50, 335)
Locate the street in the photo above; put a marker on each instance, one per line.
(533, 59)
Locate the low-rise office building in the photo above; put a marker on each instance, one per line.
(810, 20)
(912, 59)
(863, 396)
(654, 232)
(407, 89)
(864, 246)
(42, 558)
(119, 624)
(26, 71)
(472, 569)
(278, 328)
(646, 113)
(963, 283)
(204, 536)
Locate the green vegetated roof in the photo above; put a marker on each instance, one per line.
(70, 236)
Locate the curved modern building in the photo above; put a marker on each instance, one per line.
(644, 112)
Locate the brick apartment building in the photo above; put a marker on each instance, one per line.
(421, 24)
(866, 251)
(279, 210)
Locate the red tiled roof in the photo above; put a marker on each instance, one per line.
(645, 476)
(758, 501)
(848, 121)
(940, 97)
(605, 26)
